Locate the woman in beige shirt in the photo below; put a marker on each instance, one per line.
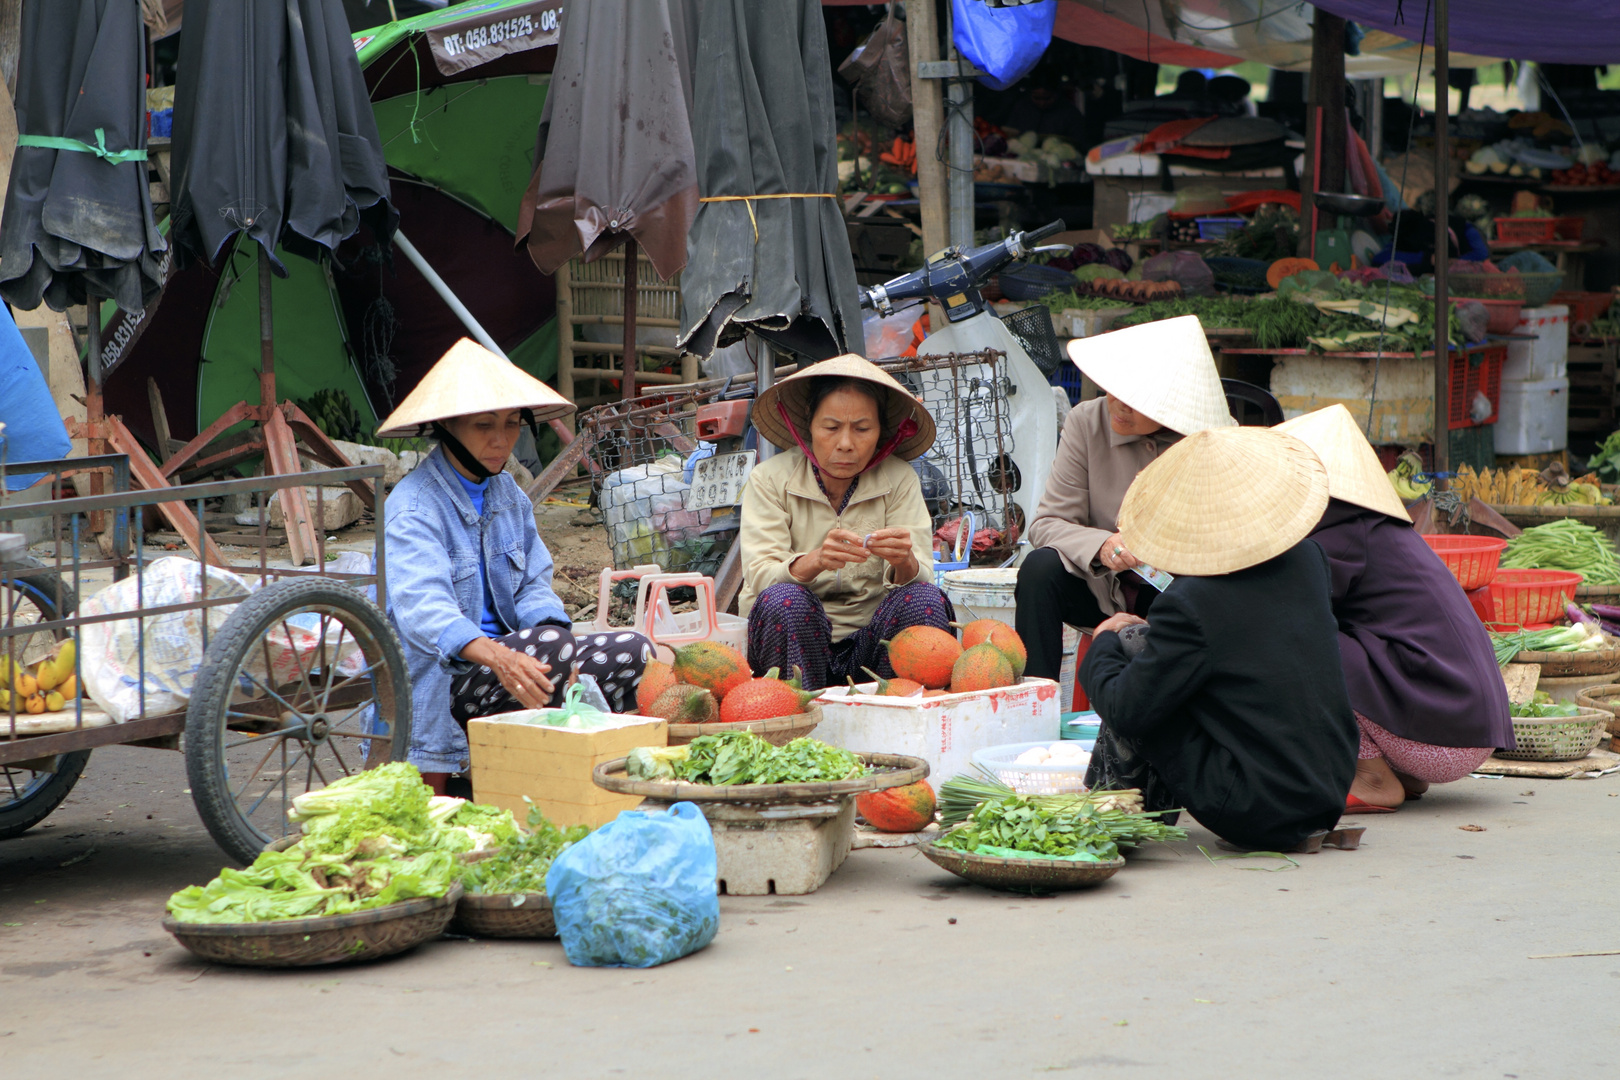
(836, 538)
(1159, 383)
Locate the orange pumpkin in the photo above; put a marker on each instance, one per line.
(1284, 268)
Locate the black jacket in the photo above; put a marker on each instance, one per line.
(1238, 699)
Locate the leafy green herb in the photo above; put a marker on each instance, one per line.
(521, 864)
(742, 757)
(1118, 812)
(1023, 824)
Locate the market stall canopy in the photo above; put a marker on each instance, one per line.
(269, 102)
(1271, 33)
(1549, 31)
(768, 251)
(615, 145)
(78, 213)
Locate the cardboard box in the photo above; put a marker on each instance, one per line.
(552, 766)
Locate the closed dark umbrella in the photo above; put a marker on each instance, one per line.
(614, 154)
(763, 126)
(78, 216)
(273, 131)
(274, 137)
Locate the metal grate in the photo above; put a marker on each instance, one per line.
(1032, 326)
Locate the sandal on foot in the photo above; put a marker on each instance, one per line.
(1353, 805)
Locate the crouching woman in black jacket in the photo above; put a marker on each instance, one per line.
(1230, 702)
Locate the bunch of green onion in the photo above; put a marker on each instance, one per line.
(962, 794)
(1581, 637)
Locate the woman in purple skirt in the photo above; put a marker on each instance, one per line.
(836, 538)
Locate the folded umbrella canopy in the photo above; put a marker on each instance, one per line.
(768, 251)
(614, 156)
(78, 215)
(273, 132)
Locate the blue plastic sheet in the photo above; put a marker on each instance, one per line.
(1003, 42)
(638, 892)
(34, 429)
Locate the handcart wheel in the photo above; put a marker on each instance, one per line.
(303, 684)
(27, 795)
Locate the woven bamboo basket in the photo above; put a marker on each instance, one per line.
(1561, 665)
(324, 939)
(888, 770)
(505, 915)
(1558, 738)
(1022, 875)
(1596, 592)
(778, 731)
(1606, 698)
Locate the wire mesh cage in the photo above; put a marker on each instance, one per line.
(970, 467)
(642, 459)
(1032, 326)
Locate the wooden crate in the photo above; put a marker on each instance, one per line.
(552, 766)
(1592, 387)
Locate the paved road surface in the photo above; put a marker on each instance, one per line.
(1406, 959)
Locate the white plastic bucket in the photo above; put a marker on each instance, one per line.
(983, 594)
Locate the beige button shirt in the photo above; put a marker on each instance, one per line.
(785, 515)
(1080, 507)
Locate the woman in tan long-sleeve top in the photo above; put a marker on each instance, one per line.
(1159, 383)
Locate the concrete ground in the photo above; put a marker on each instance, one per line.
(1411, 957)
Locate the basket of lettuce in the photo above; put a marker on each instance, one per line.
(1548, 730)
(373, 871)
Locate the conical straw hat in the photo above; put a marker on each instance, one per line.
(793, 394)
(1163, 370)
(1221, 501)
(470, 379)
(1354, 473)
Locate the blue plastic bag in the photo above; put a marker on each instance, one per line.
(1003, 42)
(638, 892)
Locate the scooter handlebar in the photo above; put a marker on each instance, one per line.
(1035, 236)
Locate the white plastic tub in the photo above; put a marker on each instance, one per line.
(1547, 357)
(1533, 417)
(944, 731)
(983, 594)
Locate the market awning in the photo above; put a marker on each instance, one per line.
(1549, 31)
(1277, 35)
(1088, 26)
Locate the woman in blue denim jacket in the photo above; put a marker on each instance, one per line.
(469, 579)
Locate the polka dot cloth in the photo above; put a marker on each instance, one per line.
(614, 659)
(1420, 761)
(789, 626)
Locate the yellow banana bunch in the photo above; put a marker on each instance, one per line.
(1402, 478)
(56, 668)
(1500, 487)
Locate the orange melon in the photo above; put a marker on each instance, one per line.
(924, 654)
(655, 679)
(983, 667)
(898, 809)
(713, 665)
(764, 699)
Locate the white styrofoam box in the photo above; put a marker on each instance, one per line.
(1533, 417)
(788, 849)
(1547, 357)
(943, 731)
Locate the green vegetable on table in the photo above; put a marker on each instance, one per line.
(1606, 462)
(1585, 637)
(1542, 706)
(1565, 544)
(741, 757)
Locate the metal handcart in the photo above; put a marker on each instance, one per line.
(301, 677)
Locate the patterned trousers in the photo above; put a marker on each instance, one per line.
(1420, 761)
(614, 659)
(789, 626)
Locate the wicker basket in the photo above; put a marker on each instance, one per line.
(778, 731)
(1558, 738)
(1606, 698)
(888, 770)
(324, 939)
(1022, 875)
(1561, 665)
(505, 915)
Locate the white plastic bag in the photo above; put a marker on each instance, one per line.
(111, 652)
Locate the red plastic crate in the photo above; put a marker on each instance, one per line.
(1470, 374)
(1538, 230)
(1472, 560)
(1522, 598)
